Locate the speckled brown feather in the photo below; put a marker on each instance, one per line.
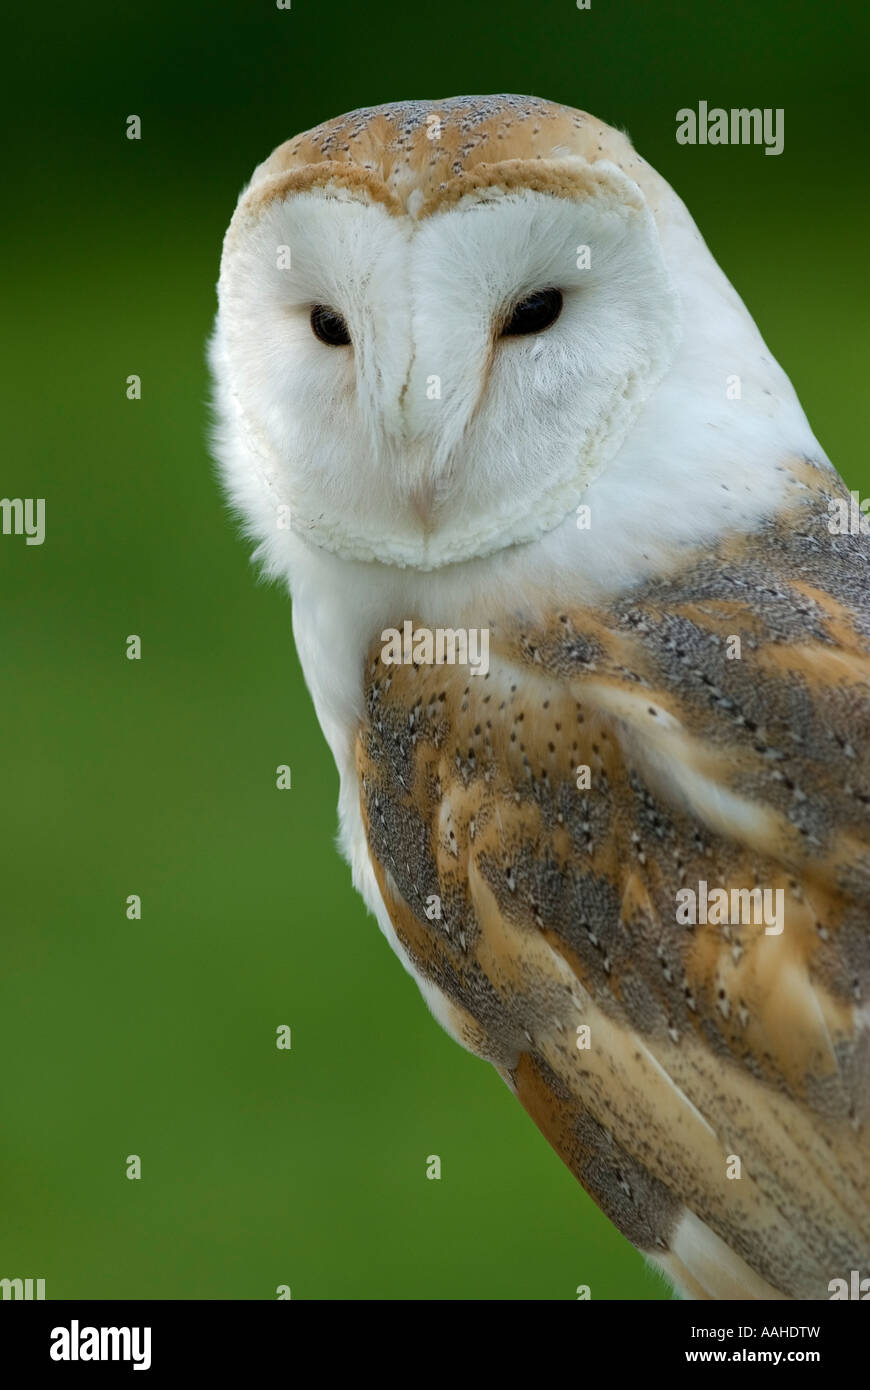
(386, 154)
(558, 905)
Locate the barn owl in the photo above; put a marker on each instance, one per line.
(589, 640)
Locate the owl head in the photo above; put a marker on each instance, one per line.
(438, 322)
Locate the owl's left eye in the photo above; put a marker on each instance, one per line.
(329, 326)
(534, 313)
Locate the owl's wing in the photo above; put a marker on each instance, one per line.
(535, 833)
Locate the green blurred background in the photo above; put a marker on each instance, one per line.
(307, 1167)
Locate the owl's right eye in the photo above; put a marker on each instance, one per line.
(329, 326)
(533, 314)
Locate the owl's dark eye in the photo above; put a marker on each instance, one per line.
(534, 313)
(329, 326)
